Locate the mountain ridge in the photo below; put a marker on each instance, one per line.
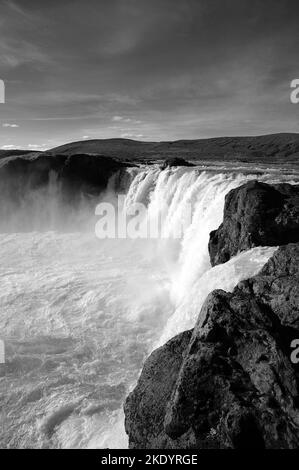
(265, 147)
(275, 148)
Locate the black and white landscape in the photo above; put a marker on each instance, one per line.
(117, 115)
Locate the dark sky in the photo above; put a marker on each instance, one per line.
(146, 69)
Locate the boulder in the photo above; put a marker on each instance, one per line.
(174, 161)
(256, 214)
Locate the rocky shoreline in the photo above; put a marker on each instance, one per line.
(231, 382)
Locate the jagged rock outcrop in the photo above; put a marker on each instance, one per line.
(233, 385)
(76, 173)
(256, 214)
(146, 406)
(39, 191)
(175, 161)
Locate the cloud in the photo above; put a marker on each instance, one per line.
(128, 135)
(126, 119)
(117, 118)
(17, 8)
(10, 147)
(123, 119)
(15, 54)
(37, 146)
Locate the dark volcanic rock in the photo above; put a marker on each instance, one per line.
(44, 192)
(76, 174)
(277, 285)
(256, 214)
(233, 385)
(176, 161)
(145, 407)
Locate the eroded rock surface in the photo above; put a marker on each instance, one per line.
(76, 173)
(256, 214)
(175, 161)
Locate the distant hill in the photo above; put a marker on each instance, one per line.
(274, 148)
(123, 149)
(266, 148)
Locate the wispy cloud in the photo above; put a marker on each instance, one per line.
(15, 53)
(10, 147)
(37, 146)
(128, 135)
(126, 119)
(6, 124)
(17, 9)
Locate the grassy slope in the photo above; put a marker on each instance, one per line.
(275, 148)
(268, 148)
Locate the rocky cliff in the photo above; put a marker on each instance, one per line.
(230, 382)
(256, 214)
(77, 172)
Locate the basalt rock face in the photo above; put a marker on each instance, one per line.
(256, 214)
(42, 192)
(76, 173)
(145, 408)
(175, 161)
(231, 384)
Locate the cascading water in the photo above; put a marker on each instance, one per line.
(79, 315)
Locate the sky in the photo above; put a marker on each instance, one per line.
(146, 69)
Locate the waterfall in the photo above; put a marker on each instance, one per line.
(80, 315)
(194, 202)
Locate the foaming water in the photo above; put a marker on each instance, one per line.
(79, 315)
(224, 276)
